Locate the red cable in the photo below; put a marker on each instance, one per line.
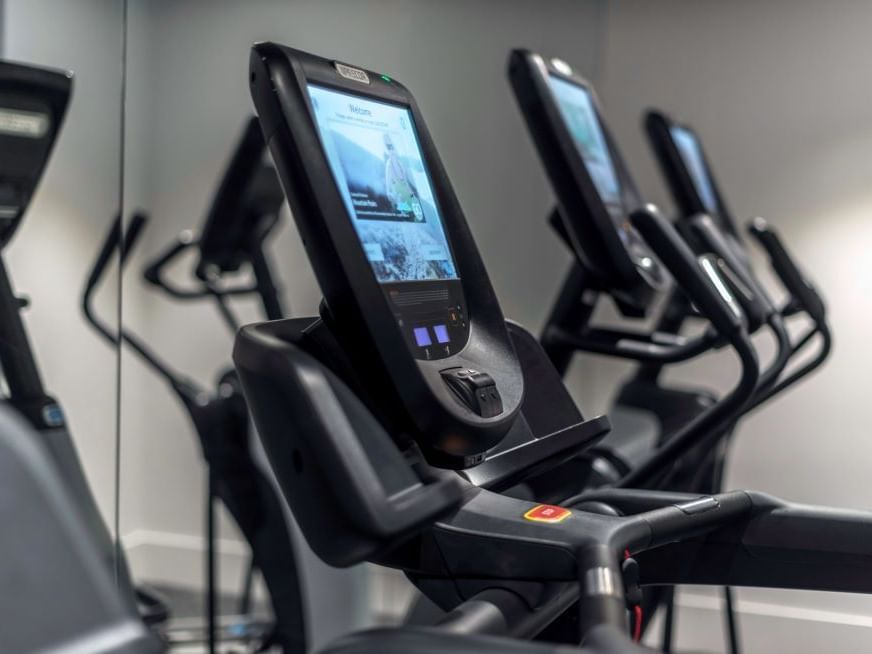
(637, 627)
(637, 613)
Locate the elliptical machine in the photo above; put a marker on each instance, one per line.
(411, 372)
(33, 103)
(707, 221)
(58, 593)
(595, 195)
(243, 213)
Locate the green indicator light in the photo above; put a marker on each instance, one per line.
(386, 78)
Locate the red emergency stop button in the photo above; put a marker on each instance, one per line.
(547, 513)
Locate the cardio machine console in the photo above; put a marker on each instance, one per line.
(246, 206)
(682, 160)
(595, 193)
(402, 278)
(33, 102)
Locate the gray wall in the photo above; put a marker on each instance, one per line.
(778, 92)
(188, 98)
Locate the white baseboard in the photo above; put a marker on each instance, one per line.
(338, 601)
(795, 622)
(179, 559)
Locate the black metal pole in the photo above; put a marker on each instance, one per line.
(211, 567)
(16, 355)
(247, 588)
(668, 619)
(732, 621)
(570, 313)
(266, 287)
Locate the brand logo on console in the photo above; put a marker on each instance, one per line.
(349, 72)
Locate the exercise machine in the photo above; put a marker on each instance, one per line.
(596, 194)
(33, 103)
(243, 214)
(244, 211)
(58, 593)
(398, 420)
(55, 566)
(61, 597)
(706, 219)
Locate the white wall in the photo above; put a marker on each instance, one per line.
(74, 204)
(777, 91)
(188, 98)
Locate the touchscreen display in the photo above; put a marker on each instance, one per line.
(691, 154)
(579, 114)
(377, 163)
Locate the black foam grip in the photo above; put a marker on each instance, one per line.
(787, 270)
(677, 256)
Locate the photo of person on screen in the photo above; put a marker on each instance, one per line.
(400, 189)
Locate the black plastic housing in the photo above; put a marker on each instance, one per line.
(700, 284)
(351, 490)
(796, 282)
(757, 304)
(627, 269)
(246, 205)
(33, 102)
(357, 307)
(59, 594)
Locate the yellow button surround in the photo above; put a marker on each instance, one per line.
(547, 513)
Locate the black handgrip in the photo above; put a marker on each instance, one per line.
(757, 305)
(132, 234)
(153, 273)
(712, 300)
(785, 267)
(109, 248)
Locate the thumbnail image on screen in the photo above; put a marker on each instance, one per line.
(376, 159)
(578, 111)
(691, 153)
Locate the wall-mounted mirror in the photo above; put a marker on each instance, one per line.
(61, 80)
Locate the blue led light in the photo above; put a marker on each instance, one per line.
(441, 332)
(422, 337)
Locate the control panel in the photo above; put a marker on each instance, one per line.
(432, 317)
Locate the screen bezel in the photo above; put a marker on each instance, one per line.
(659, 126)
(576, 83)
(414, 127)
